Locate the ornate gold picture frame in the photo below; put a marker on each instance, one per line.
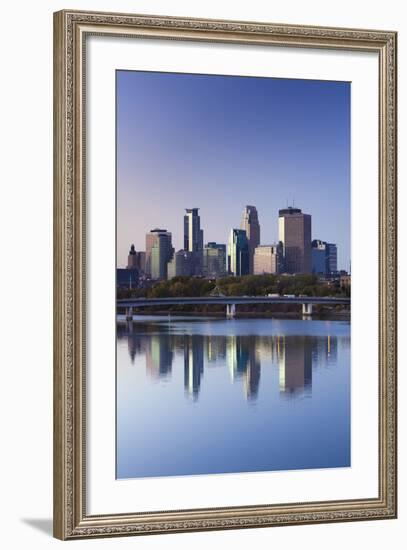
(71, 518)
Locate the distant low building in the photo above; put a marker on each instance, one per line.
(127, 278)
(268, 259)
(214, 260)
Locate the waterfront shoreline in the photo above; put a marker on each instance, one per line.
(323, 316)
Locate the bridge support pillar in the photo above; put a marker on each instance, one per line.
(129, 313)
(307, 309)
(230, 311)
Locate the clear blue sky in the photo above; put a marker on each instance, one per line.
(221, 142)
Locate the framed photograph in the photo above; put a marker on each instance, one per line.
(225, 274)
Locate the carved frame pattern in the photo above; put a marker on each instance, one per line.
(70, 519)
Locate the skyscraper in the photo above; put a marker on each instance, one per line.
(294, 229)
(158, 253)
(193, 236)
(250, 223)
(238, 253)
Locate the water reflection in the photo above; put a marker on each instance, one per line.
(294, 356)
(193, 364)
(207, 396)
(159, 356)
(295, 364)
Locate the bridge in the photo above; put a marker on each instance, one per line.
(307, 302)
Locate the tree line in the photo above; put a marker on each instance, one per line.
(248, 285)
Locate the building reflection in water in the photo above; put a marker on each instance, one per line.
(294, 356)
(243, 361)
(325, 352)
(135, 344)
(159, 356)
(237, 356)
(295, 364)
(193, 364)
(215, 348)
(252, 375)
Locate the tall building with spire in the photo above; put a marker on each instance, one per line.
(250, 223)
(294, 230)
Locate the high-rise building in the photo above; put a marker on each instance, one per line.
(238, 253)
(294, 229)
(250, 223)
(324, 258)
(193, 234)
(214, 260)
(268, 259)
(158, 253)
(332, 258)
(318, 254)
(181, 264)
(152, 240)
(193, 237)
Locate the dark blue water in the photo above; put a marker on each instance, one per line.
(205, 396)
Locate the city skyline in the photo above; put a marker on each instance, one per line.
(194, 146)
(294, 252)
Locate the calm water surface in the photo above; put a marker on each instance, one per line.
(203, 396)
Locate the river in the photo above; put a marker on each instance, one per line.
(209, 395)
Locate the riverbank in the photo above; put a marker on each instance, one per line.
(340, 315)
